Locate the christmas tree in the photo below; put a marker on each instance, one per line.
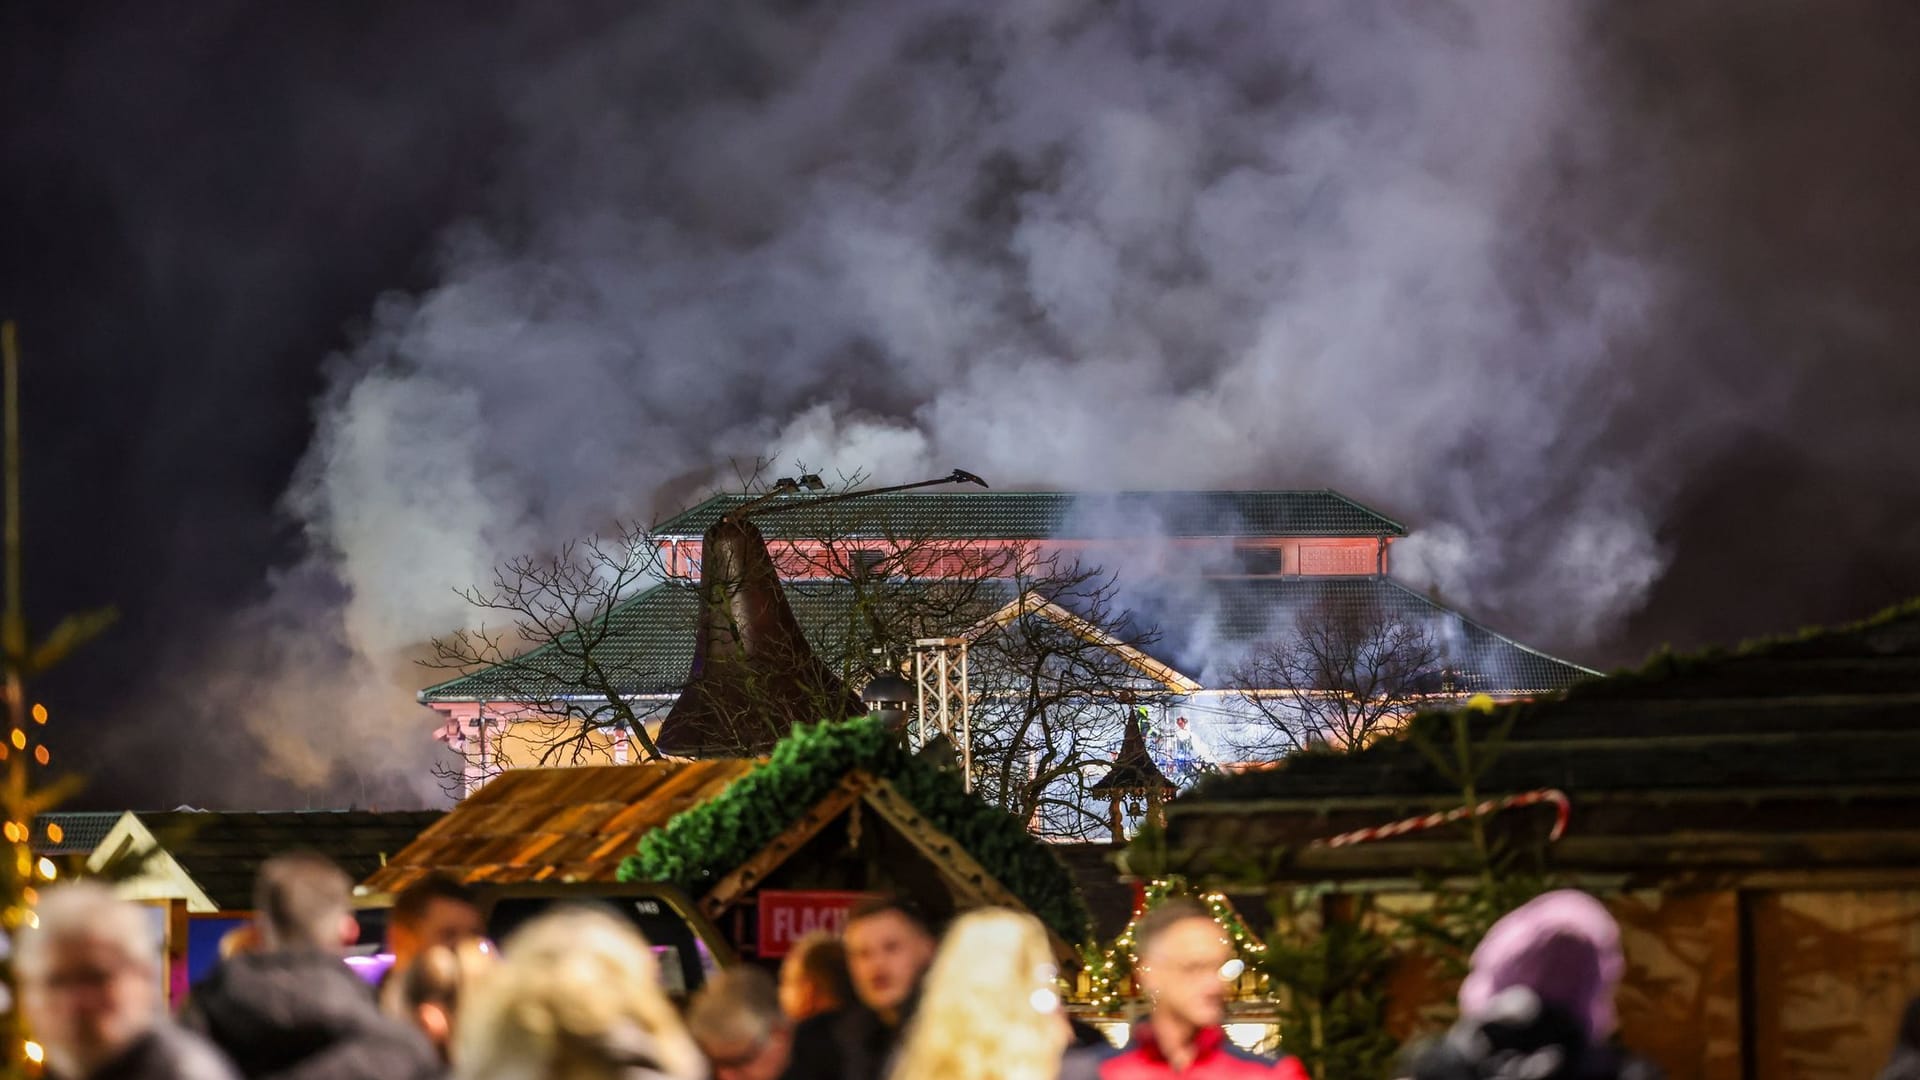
(24, 798)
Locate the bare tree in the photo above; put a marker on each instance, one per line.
(557, 673)
(1055, 663)
(1054, 677)
(1346, 674)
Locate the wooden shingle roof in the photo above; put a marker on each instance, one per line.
(571, 824)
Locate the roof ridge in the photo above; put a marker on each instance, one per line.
(1357, 505)
(1485, 629)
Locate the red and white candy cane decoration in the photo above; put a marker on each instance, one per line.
(1563, 809)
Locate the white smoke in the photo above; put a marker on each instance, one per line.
(1060, 244)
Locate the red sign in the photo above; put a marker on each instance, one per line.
(787, 916)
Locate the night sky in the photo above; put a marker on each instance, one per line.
(227, 225)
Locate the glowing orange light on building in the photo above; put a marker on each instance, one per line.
(55, 833)
(40, 755)
(19, 739)
(39, 714)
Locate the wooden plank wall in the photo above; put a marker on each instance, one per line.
(1828, 973)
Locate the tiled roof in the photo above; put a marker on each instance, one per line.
(1812, 736)
(559, 825)
(649, 645)
(80, 831)
(1038, 515)
(1214, 621)
(650, 649)
(221, 850)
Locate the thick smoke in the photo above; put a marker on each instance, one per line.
(1402, 251)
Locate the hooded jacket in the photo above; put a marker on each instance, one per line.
(304, 1016)
(1539, 1000)
(1517, 1035)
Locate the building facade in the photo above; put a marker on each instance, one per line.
(1188, 583)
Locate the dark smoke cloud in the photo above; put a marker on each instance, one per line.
(1614, 304)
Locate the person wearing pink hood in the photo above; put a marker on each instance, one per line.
(1538, 1001)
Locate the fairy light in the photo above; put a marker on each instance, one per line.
(47, 869)
(35, 1053)
(1110, 976)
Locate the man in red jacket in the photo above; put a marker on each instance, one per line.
(1185, 967)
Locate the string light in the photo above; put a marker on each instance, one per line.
(39, 714)
(34, 1052)
(1109, 977)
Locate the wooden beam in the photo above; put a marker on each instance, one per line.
(748, 875)
(975, 886)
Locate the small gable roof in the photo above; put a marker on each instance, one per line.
(221, 851)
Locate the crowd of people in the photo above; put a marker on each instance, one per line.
(577, 994)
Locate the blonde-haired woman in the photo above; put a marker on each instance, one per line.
(990, 1007)
(576, 996)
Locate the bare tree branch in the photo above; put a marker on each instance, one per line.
(1346, 674)
(1050, 681)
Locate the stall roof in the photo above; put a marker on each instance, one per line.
(1793, 753)
(562, 824)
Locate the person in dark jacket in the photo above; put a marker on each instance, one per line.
(1905, 1063)
(1538, 1001)
(889, 946)
(1185, 967)
(90, 989)
(813, 977)
(293, 1010)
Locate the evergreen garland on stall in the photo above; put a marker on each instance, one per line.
(1109, 973)
(702, 844)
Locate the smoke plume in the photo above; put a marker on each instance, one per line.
(1445, 258)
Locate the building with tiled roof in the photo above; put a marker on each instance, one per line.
(1215, 572)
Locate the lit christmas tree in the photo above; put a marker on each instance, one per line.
(1110, 974)
(24, 798)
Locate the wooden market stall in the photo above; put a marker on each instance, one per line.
(765, 847)
(1752, 818)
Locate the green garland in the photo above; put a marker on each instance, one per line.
(702, 844)
(1110, 973)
